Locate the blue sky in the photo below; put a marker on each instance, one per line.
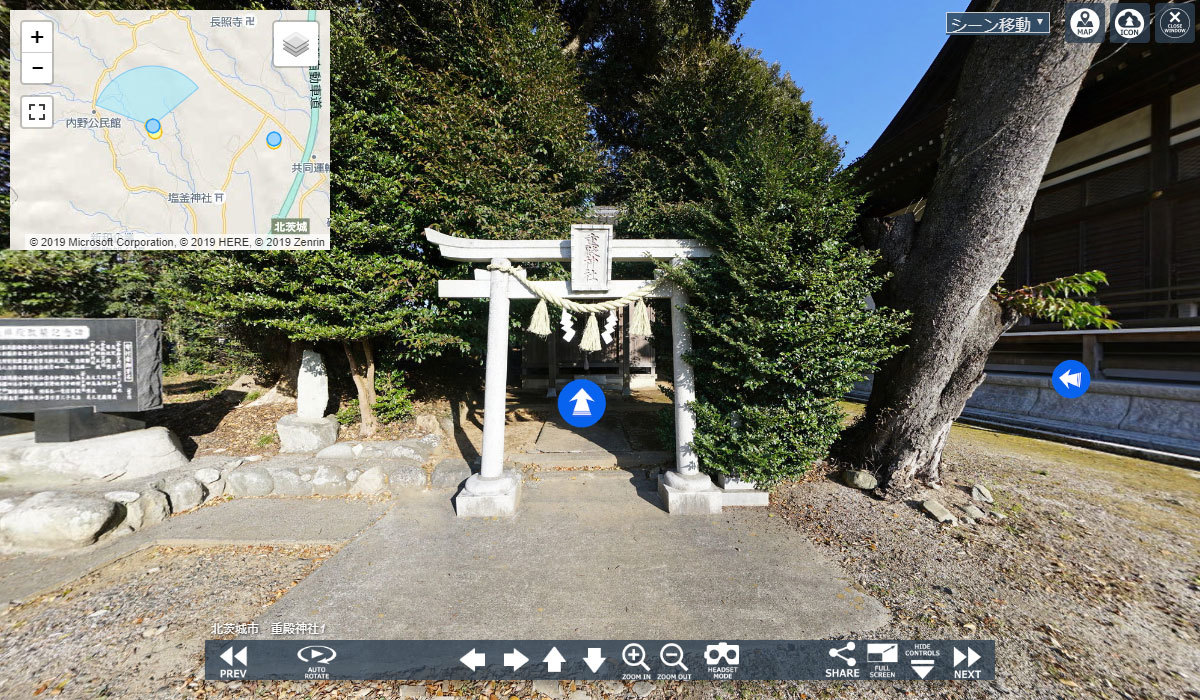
(857, 61)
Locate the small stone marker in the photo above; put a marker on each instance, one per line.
(312, 387)
(309, 429)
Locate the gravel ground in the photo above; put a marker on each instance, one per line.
(1090, 586)
(136, 628)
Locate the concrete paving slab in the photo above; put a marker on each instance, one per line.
(588, 556)
(605, 436)
(242, 521)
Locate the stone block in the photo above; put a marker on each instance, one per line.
(330, 481)
(859, 479)
(450, 473)
(740, 498)
(371, 482)
(155, 506)
(408, 476)
(132, 502)
(489, 505)
(182, 491)
(207, 475)
(732, 483)
(701, 502)
(250, 481)
(298, 434)
(58, 520)
(133, 454)
(287, 482)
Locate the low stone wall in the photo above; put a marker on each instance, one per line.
(1152, 420)
(63, 519)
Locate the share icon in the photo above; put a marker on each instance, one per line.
(850, 661)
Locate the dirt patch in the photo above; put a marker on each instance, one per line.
(136, 628)
(213, 414)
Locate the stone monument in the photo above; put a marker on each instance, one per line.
(309, 429)
(64, 383)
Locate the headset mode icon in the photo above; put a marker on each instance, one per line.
(722, 652)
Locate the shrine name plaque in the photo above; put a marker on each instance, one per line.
(109, 364)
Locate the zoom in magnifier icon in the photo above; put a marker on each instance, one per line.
(672, 655)
(634, 655)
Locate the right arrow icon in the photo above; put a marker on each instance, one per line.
(593, 658)
(554, 660)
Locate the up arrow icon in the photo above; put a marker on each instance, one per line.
(554, 661)
(593, 658)
(581, 400)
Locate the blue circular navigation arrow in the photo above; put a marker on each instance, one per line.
(581, 403)
(1071, 379)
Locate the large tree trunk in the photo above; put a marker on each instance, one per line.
(364, 381)
(1006, 117)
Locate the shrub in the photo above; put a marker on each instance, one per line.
(778, 316)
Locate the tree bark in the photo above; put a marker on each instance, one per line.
(368, 425)
(1009, 108)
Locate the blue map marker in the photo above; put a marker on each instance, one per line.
(581, 403)
(1071, 379)
(274, 139)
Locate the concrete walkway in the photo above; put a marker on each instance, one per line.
(242, 521)
(589, 556)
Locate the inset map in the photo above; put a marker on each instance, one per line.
(168, 124)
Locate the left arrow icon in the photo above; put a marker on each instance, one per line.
(515, 660)
(473, 660)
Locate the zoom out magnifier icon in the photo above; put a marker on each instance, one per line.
(634, 655)
(672, 655)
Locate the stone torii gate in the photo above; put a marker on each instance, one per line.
(591, 250)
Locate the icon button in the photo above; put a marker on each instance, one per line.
(474, 660)
(1085, 23)
(970, 657)
(883, 653)
(37, 68)
(37, 112)
(672, 655)
(229, 656)
(634, 655)
(922, 667)
(554, 661)
(1174, 24)
(1130, 24)
(722, 652)
(1071, 379)
(295, 44)
(581, 403)
(37, 36)
(594, 659)
(316, 654)
(850, 660)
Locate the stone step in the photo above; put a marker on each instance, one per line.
(598, 459)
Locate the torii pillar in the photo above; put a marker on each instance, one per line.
(495, 492)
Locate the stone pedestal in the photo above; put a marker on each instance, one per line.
(126, 455)
(737, 492)
(484, 497)
(689, 494)
(297, 434)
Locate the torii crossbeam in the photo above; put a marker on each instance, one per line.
(494, 492)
